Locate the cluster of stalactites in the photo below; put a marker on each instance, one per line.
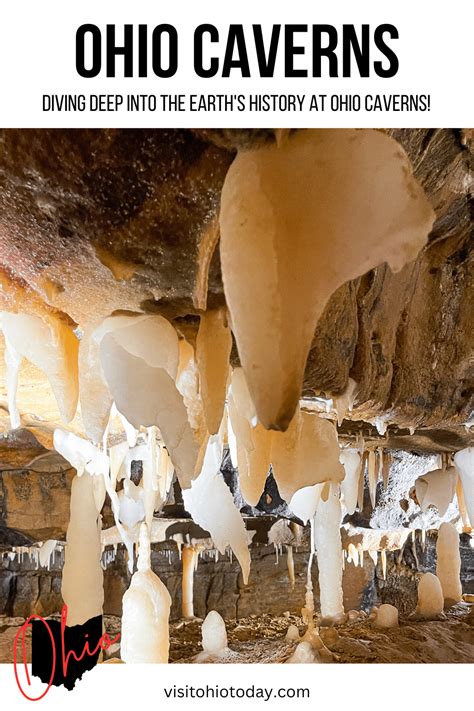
(286, 246)
(306, 454)
(357, 462)
(134, 503)
(40, 555)
(297, 221)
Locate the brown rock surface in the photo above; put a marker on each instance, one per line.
(35, 500)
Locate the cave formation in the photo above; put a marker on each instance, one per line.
(236, 392)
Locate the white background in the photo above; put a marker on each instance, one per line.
(37, 56)
(334, 687)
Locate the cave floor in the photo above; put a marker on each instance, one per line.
(261, 639)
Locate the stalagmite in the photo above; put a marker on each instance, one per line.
(464, 462)
(286, 245)
(351, 461)
(436, 488)
(303, 654)
(387, 616)
(327, 539)
(82, 581)
(430, 597)
(306, 454)
(214, 634)
(211, 504)
(146, 609)
(52, 346)
(448, 563)
(188, 557)
(292, 633)
(213, 346)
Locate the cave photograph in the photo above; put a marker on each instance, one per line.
(237, 395)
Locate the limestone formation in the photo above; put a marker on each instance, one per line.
(448, 563)
(430, 597)
(282, 224)
(211, 340)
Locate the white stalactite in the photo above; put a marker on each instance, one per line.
(436, 488)
(297, 222)
(210, 503)
(213, 346)
(304, 502)
(372, 474)
(464, 462)
(13, 362)
(147, 395)
(52, 346)
(306, 454)
(351, 461)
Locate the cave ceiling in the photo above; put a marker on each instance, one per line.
(95, 222)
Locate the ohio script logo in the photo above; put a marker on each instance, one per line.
(51, 661)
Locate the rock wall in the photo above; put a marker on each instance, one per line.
(218, 584)
(405, 568)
